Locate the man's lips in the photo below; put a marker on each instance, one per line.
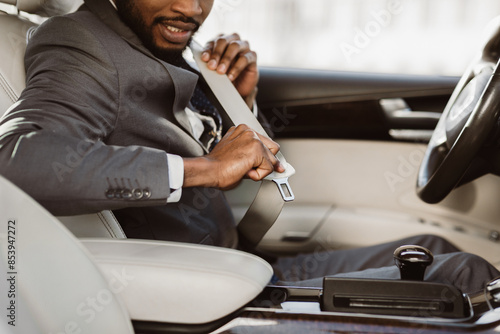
(177, 32)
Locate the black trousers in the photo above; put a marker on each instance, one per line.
(467, 272)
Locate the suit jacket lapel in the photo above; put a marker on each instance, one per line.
(184, 81)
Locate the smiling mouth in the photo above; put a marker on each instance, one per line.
(177, 32)
(174, 29)
(175, 35)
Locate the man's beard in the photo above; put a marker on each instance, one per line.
(130, 14)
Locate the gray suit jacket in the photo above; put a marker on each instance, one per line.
(91, 130)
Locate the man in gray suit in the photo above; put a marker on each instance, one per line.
(113, 118)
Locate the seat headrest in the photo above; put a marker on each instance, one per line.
(45, 8)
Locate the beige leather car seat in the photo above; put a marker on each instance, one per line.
(49, 276)
(16, 30)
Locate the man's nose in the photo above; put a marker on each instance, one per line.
(187, 8)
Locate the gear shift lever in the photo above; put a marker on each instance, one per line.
(412, 261)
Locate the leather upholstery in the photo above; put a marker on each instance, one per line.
(101, 224)
(13, 39)
(13, 43)
(47, 7)
(180, 283)
(55, 274)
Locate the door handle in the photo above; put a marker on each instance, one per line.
(399, 116)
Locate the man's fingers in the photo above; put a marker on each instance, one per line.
(228, 54)
(253, 154)
(271, 145)
(232, 53)
(245, 61)
(235, 131)
(207, 50)
(220, 53)
(269, 162)
(257, 174)
(264, 168)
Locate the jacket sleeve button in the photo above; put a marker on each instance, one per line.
(137, 193)
(110, 193)
(126, 194)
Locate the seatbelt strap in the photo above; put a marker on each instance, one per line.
(268, 202)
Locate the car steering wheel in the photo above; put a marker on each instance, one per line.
(465, 129)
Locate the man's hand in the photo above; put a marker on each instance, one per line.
(241, 152)
(228, 54)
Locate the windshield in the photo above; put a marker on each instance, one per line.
(392, 36)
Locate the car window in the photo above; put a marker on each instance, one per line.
(392, 36)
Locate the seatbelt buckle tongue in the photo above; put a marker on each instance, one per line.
(285, 189)
(281, 179)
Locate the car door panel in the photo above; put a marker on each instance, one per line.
(355, 184)
(329, 104)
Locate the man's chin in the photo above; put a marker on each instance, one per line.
(169, 52)
(172, 55)
(175, 47)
